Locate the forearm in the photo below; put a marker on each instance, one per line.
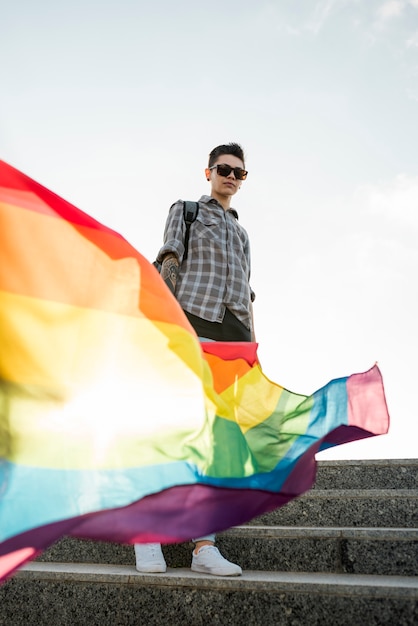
(170, 271)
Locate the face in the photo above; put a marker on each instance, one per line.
(224, 185)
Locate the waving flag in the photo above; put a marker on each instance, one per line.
(115, 422)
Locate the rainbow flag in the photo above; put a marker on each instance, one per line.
(115, 422)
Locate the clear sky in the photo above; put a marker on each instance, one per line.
(116, 105)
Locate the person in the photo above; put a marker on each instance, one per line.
(213, 288)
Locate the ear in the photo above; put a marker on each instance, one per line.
(207, 174)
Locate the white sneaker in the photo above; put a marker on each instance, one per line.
(149, 558)
(210, 561)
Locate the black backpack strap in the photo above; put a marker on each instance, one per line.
(190, 211)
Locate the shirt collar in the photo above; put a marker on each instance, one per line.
(210, 200)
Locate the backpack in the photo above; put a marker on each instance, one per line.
(190, 211)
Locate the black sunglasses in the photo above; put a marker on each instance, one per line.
(224, 170)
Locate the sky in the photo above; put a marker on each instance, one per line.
(115, 106)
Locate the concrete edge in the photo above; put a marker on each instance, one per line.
(352, 494)
(368, 462)
(271, 582)
(309, 532)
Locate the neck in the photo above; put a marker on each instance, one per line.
(225, 201)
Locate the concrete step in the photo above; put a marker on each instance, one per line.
(303, 549)
(382, 508)
(339, 550)
(80, 594)
(367, 474)
(344, 553)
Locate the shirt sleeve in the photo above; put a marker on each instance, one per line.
(247, 252)
(173, 233)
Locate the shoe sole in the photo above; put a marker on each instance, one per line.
(218, 573)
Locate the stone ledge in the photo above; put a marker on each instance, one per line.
(340, 584)
(412, 462)
(332, 532)
(357, 474)
(372, 494)
(384, 508)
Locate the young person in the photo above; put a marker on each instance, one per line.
(212, 286)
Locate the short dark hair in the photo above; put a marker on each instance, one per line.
(229, 148)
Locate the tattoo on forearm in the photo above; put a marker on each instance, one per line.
(170, 270)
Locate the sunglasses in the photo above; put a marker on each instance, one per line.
(224, 170)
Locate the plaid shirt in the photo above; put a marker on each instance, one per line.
(216, 273)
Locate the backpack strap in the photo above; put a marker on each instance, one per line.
(190, 211)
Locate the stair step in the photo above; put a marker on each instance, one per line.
(367, 474)
(79, 594)
(383, 508)
(180, 577)
(351, 550)
(339, 550)
(344, 553)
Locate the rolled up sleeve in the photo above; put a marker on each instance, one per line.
(173, 233)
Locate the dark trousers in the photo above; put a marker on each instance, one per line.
(230, 329)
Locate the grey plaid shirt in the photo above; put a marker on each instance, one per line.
(216, 273)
